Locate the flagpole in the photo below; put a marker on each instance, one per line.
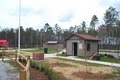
(19, 26)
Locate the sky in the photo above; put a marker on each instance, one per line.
(65, 13)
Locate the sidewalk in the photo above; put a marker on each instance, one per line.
(78, 59)
(8, 72)
(91, 61)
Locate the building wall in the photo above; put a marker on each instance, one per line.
(82, 47)
(93, 48)
(69, 46)
(56, 46)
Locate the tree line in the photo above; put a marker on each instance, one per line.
(108, 32)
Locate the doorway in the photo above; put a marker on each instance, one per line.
(75, 50)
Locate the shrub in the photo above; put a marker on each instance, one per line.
(105, 54)
(36, 65)
(44, 67)
(19, 59)
(110, 56)
(22, 60)
(63, 54)
(49, 71)
(101, 55)
(32, 64)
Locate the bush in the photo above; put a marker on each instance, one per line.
(101, 55)
(32, 64)
(63, 52)
(19, 59)
(105, 54)
(22, 60)
(49, 71)
(110, 56)
(44, 67)
(36, 65)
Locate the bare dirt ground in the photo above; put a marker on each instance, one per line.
(79, 71)
(37, 75)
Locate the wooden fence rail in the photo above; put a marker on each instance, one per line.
(25, 69)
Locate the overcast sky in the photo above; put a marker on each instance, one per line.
(66, 13)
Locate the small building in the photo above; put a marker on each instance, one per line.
(82, 45)
(55, 45)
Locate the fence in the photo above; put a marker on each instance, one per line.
(25, 69)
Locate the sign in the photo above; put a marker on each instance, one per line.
(80, 45)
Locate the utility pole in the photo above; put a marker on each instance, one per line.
(19, 26)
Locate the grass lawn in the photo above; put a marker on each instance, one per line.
(33, 50)
(81, 62)
(116, 72)
(65, 55)
(108, 50)
(39, 50)
(107, 59)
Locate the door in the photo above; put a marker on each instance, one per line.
(75, 50)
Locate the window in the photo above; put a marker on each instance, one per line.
(88, 46)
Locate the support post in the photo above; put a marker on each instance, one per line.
(28, 70)
(2, 55)
(15, 57)
(22, 75)
(28, 57)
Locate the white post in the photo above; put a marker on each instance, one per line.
(19, 26)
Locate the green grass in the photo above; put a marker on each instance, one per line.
(33, 50)
(40, 50)
(52, 51)
(81, 62)
(80, 57)
(107, 59)
(62, 55)
(111, 51)
(116, 72)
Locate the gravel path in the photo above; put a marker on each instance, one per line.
(8, 72)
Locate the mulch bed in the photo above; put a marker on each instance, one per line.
(88, 75)
(37, 75)
(58, 64)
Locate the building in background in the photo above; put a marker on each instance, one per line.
(55, 45)
(82, 45)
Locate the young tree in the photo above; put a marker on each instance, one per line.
(83, 26)
(93, 23)
(111, 17)
(58, 32)
(42, 36)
